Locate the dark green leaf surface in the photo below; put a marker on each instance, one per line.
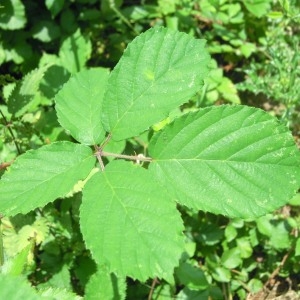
(130, 224)
(192, 277)
(78, 105)
(75, 51)
(12, 14)
(233, 160)
(22, 97)
(160, 70)
(40, 176)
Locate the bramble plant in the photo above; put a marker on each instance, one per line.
(237, 161)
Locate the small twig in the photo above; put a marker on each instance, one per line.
(113, 7)
(154, 282)
(98, 155)
(106, 141)
(11, 132)
(99, 151)
(5, 165)
(276, 271)
(138, 157)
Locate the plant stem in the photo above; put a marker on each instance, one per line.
(11, 133)
(139, 157)
(98, 155)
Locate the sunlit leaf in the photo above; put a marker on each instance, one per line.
(130, 224)
(78, 105)
(160, 70)
(232, 160)
(40, 176)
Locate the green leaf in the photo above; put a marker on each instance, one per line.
(160, 70)
(297, 247)
(55, 6)
(23, 96)
(40, 176)
(232, 160)
(57, 294)
(231, 258)
(221, 274)
(12, 15)
(20, 261)
(280, 238)
(74, 52)
(192, 277)
(78, 105)
(16, 288)
(265, 225)
(258, 7)
(187, 294)
(103, 285)
(244, 246)
(123, 206)
(46, 31)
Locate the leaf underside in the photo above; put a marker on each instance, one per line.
(130, 224)
(78, 105)
(43, 175)
(232, 160)
(160, 70)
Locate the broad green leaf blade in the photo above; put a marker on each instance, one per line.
(16, 288)
(160, 70)
(232, 160)
(41, 176)
(79, 103)
(130, 224)
(103, 285)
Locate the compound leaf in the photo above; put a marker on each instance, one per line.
(160, 70)
(233, 160)
(123, 206)
(78, 105)
(40, 176)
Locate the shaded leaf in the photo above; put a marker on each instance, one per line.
(191, 277)
(103, 285)
(74, 52)
(12, 15)
(23, 96)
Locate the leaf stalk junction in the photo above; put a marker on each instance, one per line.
(100, 153)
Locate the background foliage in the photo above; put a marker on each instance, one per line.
(255, 50)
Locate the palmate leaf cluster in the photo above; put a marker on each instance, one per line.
(229, 160)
